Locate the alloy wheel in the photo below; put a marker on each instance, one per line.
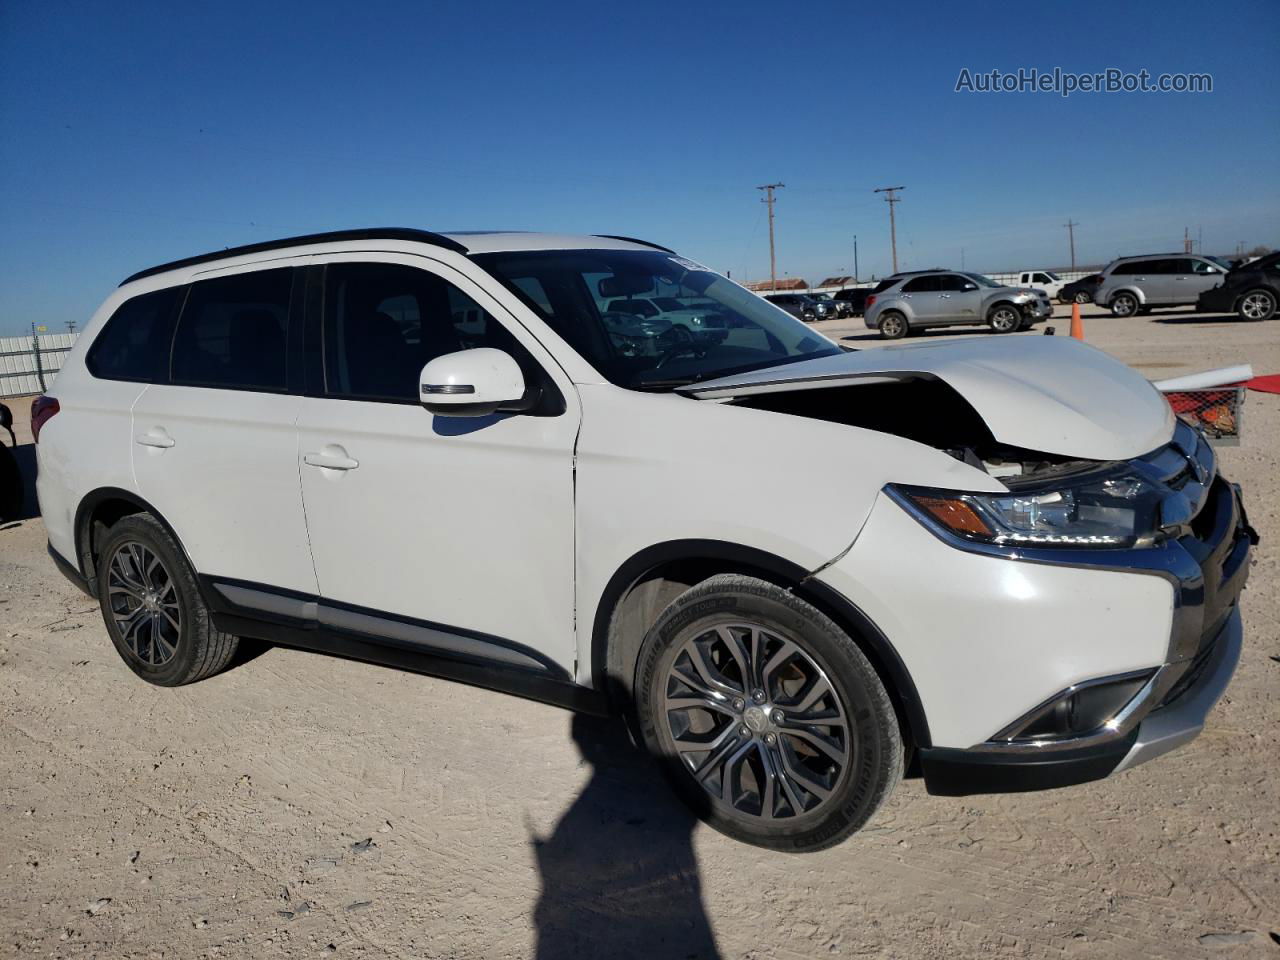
(1005, 320)
(892, 326)
(143, 599)
(756, 721)
(1257, 306)
(1124, 305)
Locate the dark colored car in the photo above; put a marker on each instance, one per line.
(853, 301)
(835, 307)
(1251, 290)
(1080, 291)
(802, 305)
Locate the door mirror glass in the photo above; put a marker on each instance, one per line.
(473, 383)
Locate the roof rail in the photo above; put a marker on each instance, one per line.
(333, 236)
(643, 243)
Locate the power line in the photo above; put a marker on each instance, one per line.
(768, 199)
(893, 227)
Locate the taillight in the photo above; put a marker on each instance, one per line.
(42, 409)
(1097, 281)
(870, 300)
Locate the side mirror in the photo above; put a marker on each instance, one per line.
(970, 286)
(473, 383)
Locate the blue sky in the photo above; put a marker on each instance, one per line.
(136, 133)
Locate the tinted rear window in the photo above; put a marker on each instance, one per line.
(885, 284)
(232, 332)
(921, 285)
(134, 343)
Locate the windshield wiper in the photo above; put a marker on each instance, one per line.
(668, 383)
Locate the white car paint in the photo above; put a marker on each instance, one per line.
(515, 529)
(1042, 280)
(1042, 393)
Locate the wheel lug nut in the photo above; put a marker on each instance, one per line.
(770, 739)
(738, 703)
(744, 731)
(777, 716)
(757, 696)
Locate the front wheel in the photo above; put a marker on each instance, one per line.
(1258, 305)
(152, 608)
(893, 326)
(1083, 297)
(1005, 318)
(769, 720)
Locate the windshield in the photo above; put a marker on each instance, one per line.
(982, 281)
(1052, 276)
(1224, 263)
(578, 293)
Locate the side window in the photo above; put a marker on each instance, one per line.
(921, 285)
(384, 321)
(1203, 266)
(232, 332)
(1132, 268)
(1041, 278)
(134, 342)
(950, 283)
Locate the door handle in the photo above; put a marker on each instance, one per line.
(330, 461)
(945, 296)
(155, 437)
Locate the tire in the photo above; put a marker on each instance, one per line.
(1083, 297)
(1004, 318)
(829, 778)
(893, 325)
(175, 643)
(1124, 305)
(1257, 305)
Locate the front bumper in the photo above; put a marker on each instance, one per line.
(953, 773)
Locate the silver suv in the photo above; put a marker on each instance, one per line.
(1133, 285)
(941, 298)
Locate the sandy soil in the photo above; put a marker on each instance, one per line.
(299, 805)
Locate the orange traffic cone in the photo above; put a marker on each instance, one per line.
(1077, 326)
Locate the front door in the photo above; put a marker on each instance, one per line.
(1194, 278)
(961, 298)
(435, 531)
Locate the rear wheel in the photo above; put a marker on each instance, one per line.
(768, 718)
(1004, 318)
(1124, 305)
(893, 325)
(153, 609)
(1257, 305)
(1083, 297)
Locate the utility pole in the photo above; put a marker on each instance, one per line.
(893, 227)
(1186, 239)
(855, 258)
(1071, 236)
(768, 189)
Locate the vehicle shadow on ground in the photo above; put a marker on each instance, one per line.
(1180, 318)
(619, 876)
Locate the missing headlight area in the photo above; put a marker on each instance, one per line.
(928, 411)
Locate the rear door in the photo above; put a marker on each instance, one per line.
(927, 306)
(215, 445)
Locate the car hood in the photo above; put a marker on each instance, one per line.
(1050, 394)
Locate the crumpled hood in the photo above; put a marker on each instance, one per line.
(1050, 394)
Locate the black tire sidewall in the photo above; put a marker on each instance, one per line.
(991, 319)
(874, 735)
(148, 532)
(1124, 296)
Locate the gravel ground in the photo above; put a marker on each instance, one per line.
(300, 805)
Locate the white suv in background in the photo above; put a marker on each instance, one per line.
(431, 451)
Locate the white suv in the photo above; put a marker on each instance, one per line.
(799, 571)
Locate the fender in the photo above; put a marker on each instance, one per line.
(784, 573)
(90, 502)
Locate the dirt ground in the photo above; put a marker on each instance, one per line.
(300, 805)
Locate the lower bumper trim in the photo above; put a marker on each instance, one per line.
(954, 772)
(69, 571)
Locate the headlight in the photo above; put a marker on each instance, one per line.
(1118, 509)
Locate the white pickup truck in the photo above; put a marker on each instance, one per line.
(1050, 283)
